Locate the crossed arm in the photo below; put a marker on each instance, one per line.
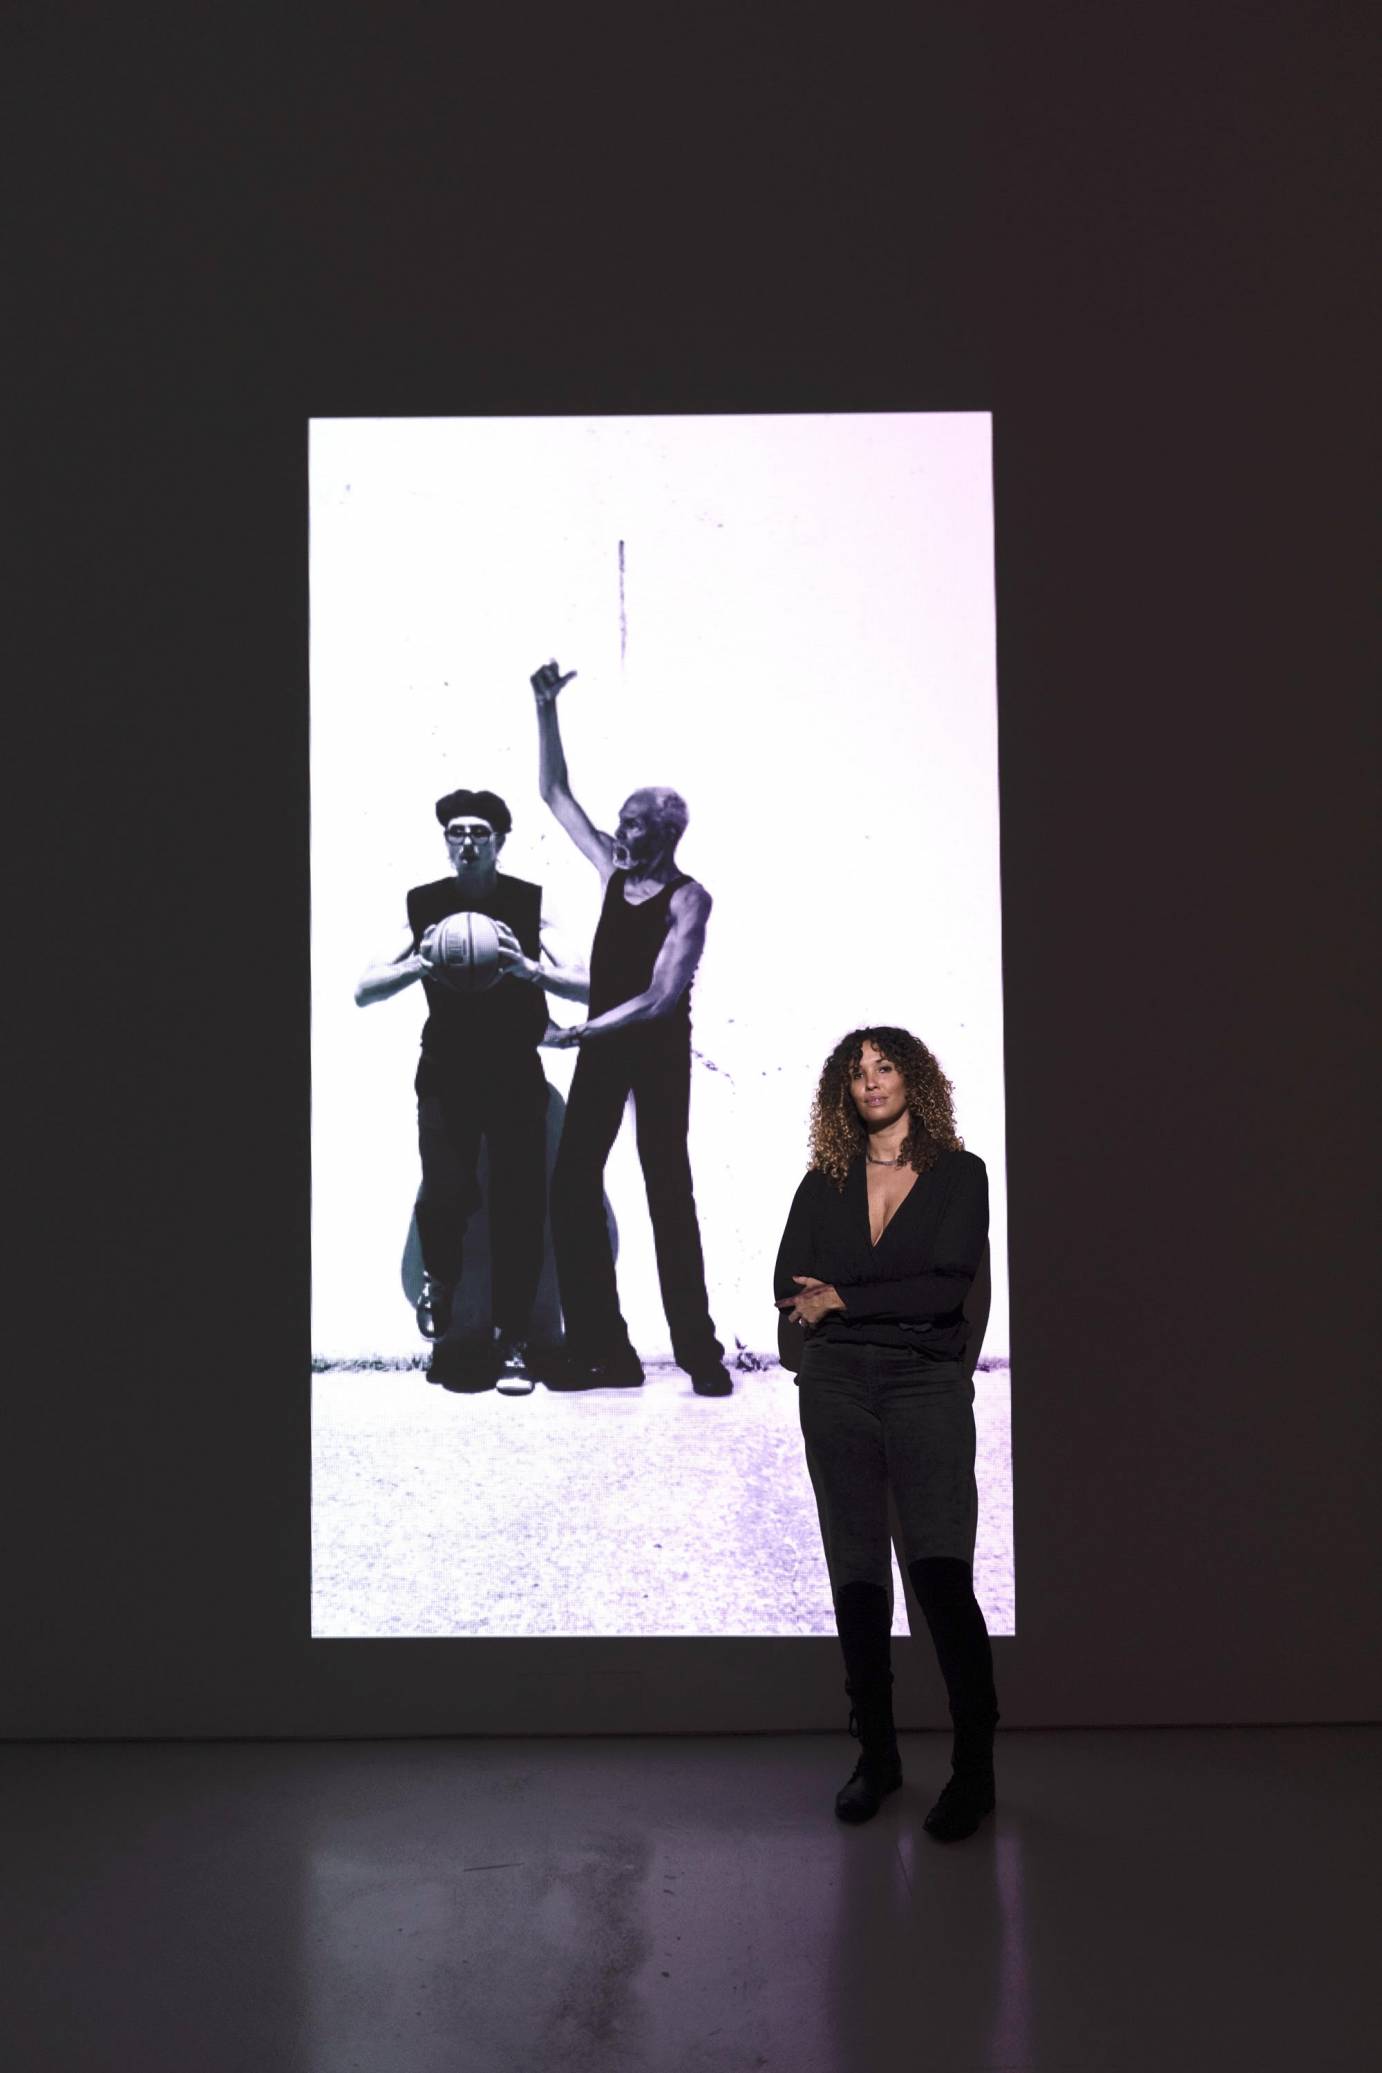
(905, 1298)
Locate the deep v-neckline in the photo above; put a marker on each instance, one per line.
(874, 1243)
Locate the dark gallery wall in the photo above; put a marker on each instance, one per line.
(1136, 236)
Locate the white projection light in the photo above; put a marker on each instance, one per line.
(683, 729)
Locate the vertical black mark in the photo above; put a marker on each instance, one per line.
(623, 619)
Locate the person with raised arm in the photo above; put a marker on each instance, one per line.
(636, 1040)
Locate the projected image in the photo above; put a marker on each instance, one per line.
(650, 758)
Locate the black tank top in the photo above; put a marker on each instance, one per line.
(624, 952)
(512, 1013)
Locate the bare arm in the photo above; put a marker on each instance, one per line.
(673, 971)
(552, 779)
(390, 974)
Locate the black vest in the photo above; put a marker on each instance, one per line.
(512, 1013)
(625, 949)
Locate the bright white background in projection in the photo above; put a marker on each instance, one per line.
(808, 656)
(806, 651)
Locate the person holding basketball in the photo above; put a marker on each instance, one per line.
(480, 1076)
(883, 1240)
(637, 1039)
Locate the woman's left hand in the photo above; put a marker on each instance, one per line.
(815, 1301)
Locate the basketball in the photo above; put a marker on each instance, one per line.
(466, 950)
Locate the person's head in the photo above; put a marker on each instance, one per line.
(474, 824)
(652, 822)
(871, 1078)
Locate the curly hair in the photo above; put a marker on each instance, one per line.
(837, 1133)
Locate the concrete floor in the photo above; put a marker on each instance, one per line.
(1151, 1901)
(620, 1511)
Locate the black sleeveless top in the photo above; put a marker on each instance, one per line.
(460, 1026)
(624, 952)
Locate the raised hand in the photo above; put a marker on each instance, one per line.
(548, 681)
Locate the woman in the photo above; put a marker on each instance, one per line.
(883, 1239)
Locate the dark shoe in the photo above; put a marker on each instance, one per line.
(564, 1370)
(863, 1617)
(968, 1795)
(966, 1798)
(433, 1308)
(615, 1371)
(465, 1365)
(512, 1355)
(469, 1380)
(871, 1780)
(711, 1379)
(879, 1769)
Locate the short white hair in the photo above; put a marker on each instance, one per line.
(668, 809)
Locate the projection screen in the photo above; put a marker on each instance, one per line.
(789, 622)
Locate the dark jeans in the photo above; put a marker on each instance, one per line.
(876, 1418)
(657, 1072)
(504, 1101)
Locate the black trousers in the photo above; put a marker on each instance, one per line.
(503, 1101)
(881, 1418)
(945, 1591)
(875, 1417)
(656, 1070)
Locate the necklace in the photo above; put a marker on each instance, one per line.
(883, 1162)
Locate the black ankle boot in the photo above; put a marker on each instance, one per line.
(969, 1793)
(945, 1590)
(863, 1616)
(879, 1769)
